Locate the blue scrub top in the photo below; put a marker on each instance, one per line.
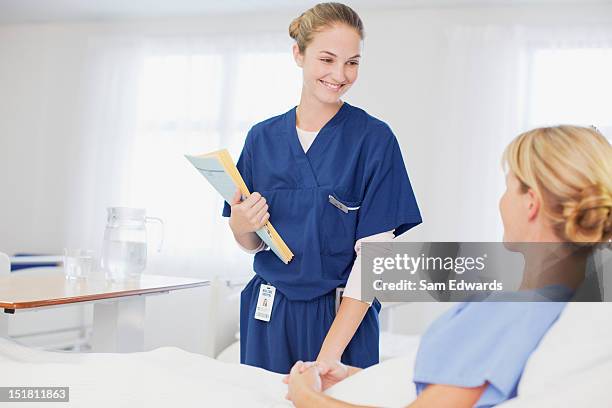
(356, 159)
(489, 341)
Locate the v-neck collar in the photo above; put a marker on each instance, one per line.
(306, 163)
(323, 137)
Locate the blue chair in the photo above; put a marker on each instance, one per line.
(34, 261)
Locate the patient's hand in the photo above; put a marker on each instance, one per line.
(303, 379)
(330, 371)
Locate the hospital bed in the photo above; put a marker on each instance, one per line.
(571, 367)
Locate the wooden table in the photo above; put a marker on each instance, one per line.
(119, 307)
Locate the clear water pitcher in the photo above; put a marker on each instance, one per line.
(124, 251)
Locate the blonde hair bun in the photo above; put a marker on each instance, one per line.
(294, 27)
(589, 219)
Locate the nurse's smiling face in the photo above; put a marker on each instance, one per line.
(330, 62)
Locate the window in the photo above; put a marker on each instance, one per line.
(196, 103)
(571, 86)
(216, 94)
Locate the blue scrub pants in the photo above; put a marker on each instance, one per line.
(296, 331)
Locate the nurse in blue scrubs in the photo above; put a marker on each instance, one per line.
(327, 175)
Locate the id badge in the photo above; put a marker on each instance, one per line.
(263, 311)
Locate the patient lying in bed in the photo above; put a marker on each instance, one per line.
(571, 367)
(558, 193)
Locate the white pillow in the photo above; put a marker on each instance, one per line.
(579, 341)
(590, 388)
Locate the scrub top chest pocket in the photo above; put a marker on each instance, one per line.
(339, 224)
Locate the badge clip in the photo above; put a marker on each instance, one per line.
(334, 201)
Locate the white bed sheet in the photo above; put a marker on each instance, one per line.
(171, 376)
(167, 376)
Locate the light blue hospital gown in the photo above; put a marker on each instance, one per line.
(491, 341)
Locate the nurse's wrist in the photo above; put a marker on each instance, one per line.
(330, 350)
(248, 240)
(331, 357)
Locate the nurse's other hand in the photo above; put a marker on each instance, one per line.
(331, 372)
(302, 366)
(248, 215)
(303, 382)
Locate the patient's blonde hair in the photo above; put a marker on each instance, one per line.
(570, 169)
(321, 16)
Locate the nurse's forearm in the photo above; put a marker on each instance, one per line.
(349, 317)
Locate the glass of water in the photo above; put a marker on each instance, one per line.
(78, 263)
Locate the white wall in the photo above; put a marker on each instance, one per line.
(399, 81)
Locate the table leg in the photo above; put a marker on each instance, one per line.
(4, 323)
(118, 326)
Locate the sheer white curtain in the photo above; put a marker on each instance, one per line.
(495, 82)
(107, 119)
(480, 105)
(150, 100)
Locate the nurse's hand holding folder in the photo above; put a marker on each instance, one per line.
(247, 217)
(219, 169)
